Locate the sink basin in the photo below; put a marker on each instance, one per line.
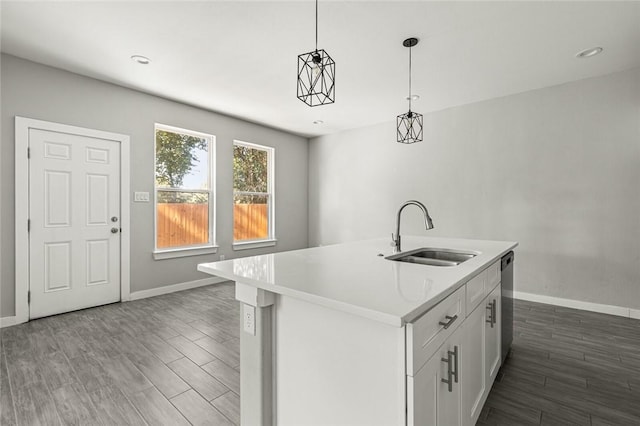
(434, 256)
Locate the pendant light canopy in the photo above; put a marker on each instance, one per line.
(316, 75)
(410, 123)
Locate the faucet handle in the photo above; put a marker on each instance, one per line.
(395, 243)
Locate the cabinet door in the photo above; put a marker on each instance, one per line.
(493, 335)
(432, 401)
(474, 361)
(450, 397)
(422, 394)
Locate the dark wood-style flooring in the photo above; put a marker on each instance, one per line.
(568, 367)
(166, 360)
(174, 359)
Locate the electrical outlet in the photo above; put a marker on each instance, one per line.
(141, 197)
(249, 319)
(222, 257)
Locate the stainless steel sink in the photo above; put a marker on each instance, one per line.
(434, 256)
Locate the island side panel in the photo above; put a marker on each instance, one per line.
(256, 355)
(335, 368)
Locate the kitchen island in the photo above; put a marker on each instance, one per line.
(341, 335)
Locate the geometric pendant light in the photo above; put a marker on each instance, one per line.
(316, 75)
(410, 123)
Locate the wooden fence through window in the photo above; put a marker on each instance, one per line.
(183, 224)
(250, 222)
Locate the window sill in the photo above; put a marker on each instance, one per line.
(254, 244)
(184, 252)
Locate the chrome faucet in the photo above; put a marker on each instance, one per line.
(428, 223)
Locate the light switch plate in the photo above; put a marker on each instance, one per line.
(141, 197)
(249, 319)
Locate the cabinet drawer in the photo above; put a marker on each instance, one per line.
(475, 290)
(493, 276)
(427, 333)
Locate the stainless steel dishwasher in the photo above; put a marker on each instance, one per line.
(507, 303)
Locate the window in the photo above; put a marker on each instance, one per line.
(253, 204)
(184, 192)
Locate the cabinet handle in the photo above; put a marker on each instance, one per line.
(449, 379)
(450, 320)
(455, 355)
(493, 312)
(490, 319)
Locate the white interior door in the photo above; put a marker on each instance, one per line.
(74, 212)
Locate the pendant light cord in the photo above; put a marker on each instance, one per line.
(410, 78)
(316, 25)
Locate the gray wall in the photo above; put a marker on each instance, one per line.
(556, 169)
(36, 91)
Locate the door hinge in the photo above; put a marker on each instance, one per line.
(29, 296)
(28, 225)
(28, 152)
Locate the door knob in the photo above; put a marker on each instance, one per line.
(114, 219)
(114, 230)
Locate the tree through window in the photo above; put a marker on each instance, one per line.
(184, 193)
(253, 204)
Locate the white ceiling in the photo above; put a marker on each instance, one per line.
(239, 57)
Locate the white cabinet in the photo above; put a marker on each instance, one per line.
(493, 334)
(476, 290)
(453, 354)
(478, 287)
(434, 393)
(430, 331)
(493, 276)
(473, 369)
(481, 360)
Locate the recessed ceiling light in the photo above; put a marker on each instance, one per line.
(413, 97)
(141, 59)
(589, 52)
(318, 122)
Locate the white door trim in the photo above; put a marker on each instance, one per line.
(22, 126)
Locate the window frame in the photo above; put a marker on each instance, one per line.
(194, 249)
(271, 238)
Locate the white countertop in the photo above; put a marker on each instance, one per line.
(353, 278)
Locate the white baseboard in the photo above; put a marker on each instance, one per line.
(7, 321)
(143, 294)
(579, 304)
